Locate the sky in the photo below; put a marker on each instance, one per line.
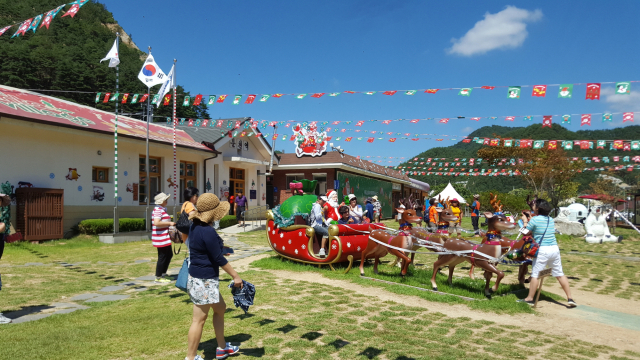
(266, 47)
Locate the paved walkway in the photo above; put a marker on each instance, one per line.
(120, 291)
(250, 226)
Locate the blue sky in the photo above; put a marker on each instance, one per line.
(267, 47)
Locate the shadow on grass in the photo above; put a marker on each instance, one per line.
(311, 335)
(209, 347)
(287, 328)
(370, 352)
(265, 322)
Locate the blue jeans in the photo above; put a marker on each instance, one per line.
(321, 230)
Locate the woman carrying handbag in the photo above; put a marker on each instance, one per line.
(543, 230)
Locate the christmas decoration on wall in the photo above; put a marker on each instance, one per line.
(73, 174)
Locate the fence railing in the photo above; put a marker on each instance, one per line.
(256, 213)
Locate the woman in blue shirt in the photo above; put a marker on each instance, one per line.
(206, 257)
(543, 230)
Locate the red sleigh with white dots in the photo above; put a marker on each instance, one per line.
(297, 242)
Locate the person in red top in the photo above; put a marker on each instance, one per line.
(231, 199)
(160, 236)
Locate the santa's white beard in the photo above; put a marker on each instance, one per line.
(333, 203)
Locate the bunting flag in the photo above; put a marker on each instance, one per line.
(465, 92)
(617, 144)
(334, 94)
(186, 102)
(370, 140)
(34, 23)
(553, 144)
(23, 28)
(264, 98)
(300, 96)
(4, 29)
(124, 98)
(628, 116)
(392, 140)
(538, 144)
(75, 7)
(539, 90)
(167, 99)
(370, 92)
(509, 118)
(156, 98)
(444, 120)
(348, 139)
(565, 91)
(198, 100)
(593, 91)
(528, 118)
(236, 99)
(390, 93)
(221, 98)
(98, 97)
(212, 100)
(487, 87)
(623, 88)
(585, 119)
(144, 98)
(546, 120)
(607, 117)
(106, 97)
(115, 97)
(250, 99)
(566, 119)
(50, 15)
(135, 99)
(601, 144)
(410, 92)
(431, 91)
(277, 95)
(514, 92)
(475, 118)
(317, 95)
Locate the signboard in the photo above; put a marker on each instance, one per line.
(253, 194)
(29, 105)
(396, 187)
(309, 141)
(363, 187)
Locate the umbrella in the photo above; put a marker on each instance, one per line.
(600, 197)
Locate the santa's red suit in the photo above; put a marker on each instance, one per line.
(331, 206)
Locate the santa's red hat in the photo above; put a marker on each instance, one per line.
(331, 192)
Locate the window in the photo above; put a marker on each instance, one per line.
(291, 177)
(154, 175)
(187, 177)
(100, 174)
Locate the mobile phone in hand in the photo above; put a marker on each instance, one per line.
(521, 223)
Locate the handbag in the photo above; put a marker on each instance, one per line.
(183, 275)
(184, 224)
(531, 247)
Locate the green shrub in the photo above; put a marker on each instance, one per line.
(102, 226)
(227, 221)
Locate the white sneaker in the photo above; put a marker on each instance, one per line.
(322, 254)
(4, 319)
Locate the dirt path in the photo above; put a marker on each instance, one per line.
(553, 318)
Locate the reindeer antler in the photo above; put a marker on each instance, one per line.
(495, 203)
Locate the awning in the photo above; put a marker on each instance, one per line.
(417, 184)
(243, 160)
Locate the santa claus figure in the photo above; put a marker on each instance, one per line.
(331, 206)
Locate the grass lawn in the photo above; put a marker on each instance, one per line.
(315, 322)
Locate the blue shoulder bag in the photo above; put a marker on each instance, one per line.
(183, 275)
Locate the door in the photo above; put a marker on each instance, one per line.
(269, 192)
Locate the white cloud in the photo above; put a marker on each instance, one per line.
(620, 103)
(503, 30)
(467, 130)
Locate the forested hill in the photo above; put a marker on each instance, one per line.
(67, 56)
(533, 132)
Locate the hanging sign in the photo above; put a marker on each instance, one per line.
(309, 141)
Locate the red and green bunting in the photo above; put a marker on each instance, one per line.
(44, 19)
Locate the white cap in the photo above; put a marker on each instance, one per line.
(324, 198)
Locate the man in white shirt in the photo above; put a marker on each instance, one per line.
(319, 223)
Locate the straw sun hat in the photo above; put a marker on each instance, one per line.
(160, 198)
(210, 208)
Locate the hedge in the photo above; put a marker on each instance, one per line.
(227, 221)
(103, 226)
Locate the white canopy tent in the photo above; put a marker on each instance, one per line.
(450, 192)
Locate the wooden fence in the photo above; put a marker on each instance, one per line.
(39, 213)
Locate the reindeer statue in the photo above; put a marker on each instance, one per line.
(479, 255)
(403, 240)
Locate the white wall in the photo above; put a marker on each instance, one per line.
(42, 155)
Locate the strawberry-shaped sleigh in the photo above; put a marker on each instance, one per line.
(290, 236)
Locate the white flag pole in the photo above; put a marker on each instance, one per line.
(146, 164)
(116, 217)
(175, 182)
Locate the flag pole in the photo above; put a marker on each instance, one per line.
(175, 184)
(116, 217)
(146, 166)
